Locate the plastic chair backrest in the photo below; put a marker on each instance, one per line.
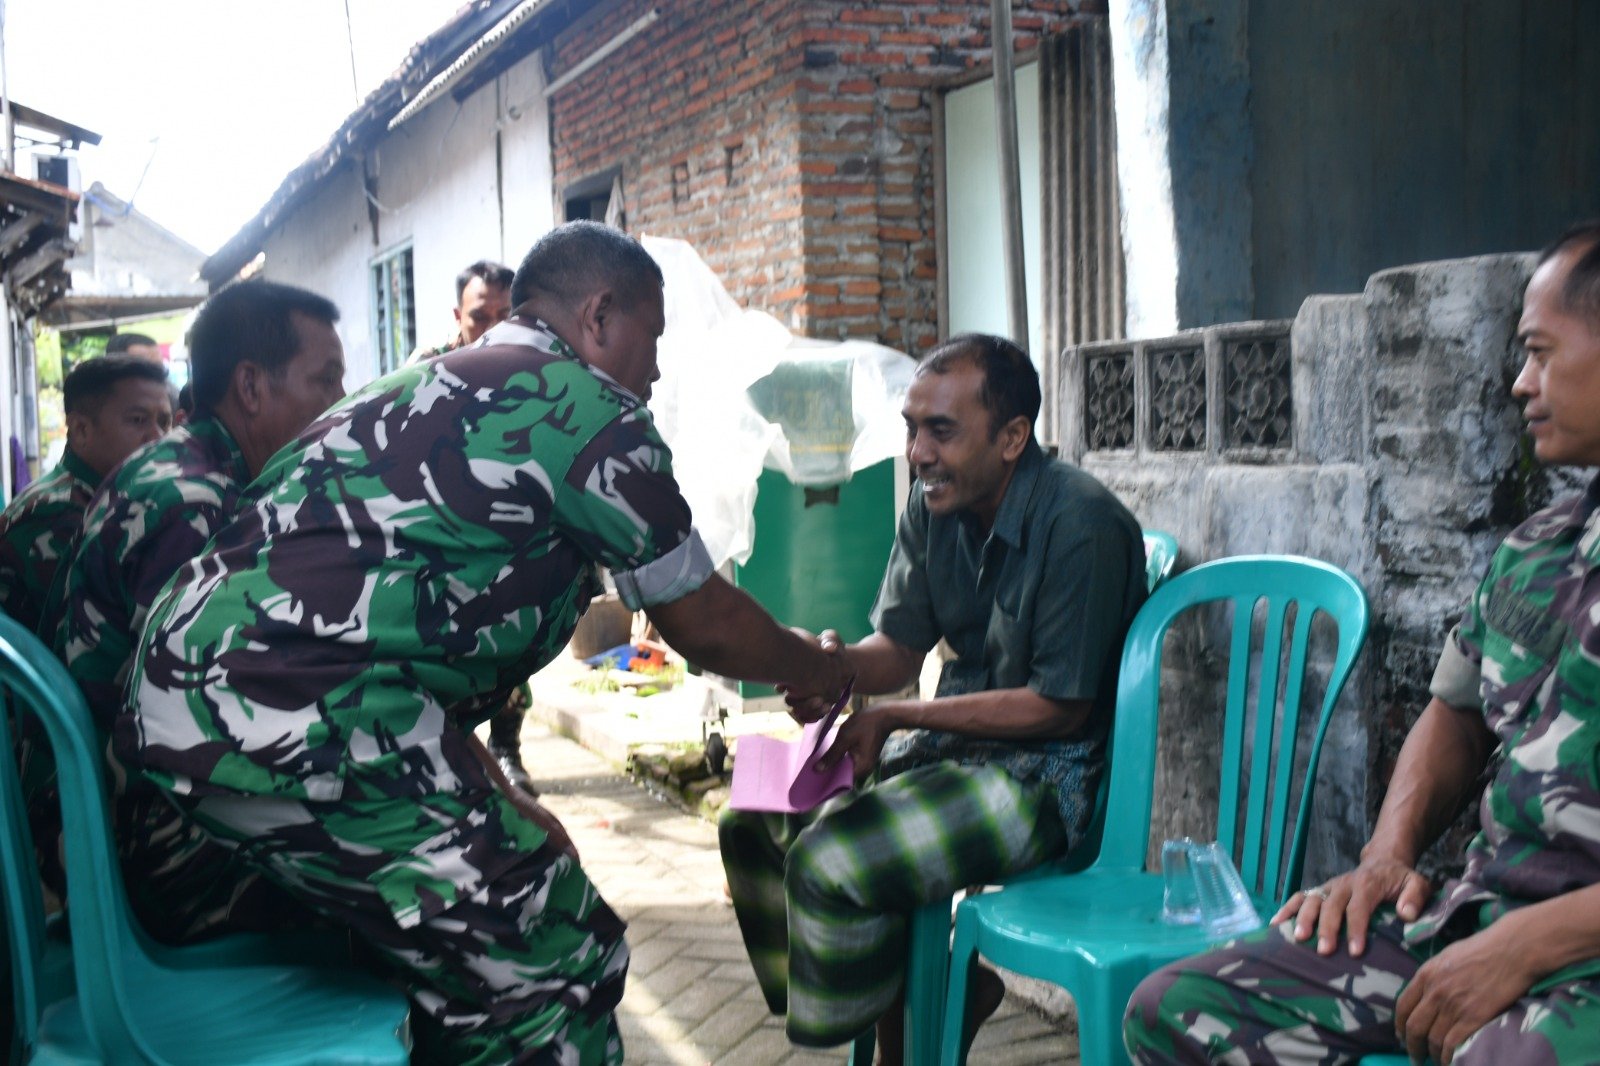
(1310, 586)
(107, 953)
(1160, 556)
(24, 905)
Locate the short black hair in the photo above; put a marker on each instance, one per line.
(121, 342)
(185, 399)
(1581, 294)
(249, 321)
(91, 382)
(1010, 380)
(575, 259)
(495, 275)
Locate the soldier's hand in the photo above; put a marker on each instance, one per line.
(808, 705)
(1459, 991)
(1350, 900)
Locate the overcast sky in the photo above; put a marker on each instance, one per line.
(221, 98)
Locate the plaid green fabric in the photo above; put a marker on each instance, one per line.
(823, 899)
(37, 534)
(1266, 999)
(504, 945)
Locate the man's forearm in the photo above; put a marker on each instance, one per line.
(1434, 777)
(1556, 932)
(721, 629)
(1001, 714)
(881, 664)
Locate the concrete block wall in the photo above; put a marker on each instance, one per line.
(791, 141)
(1408, 467)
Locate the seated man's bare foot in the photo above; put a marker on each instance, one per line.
(985, 990)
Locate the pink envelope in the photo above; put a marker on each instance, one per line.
(781, 776)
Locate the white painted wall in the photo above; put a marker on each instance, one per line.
(437, 192)
(1144, 171)
(973, 212)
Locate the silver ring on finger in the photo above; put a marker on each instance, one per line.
(1320, 891)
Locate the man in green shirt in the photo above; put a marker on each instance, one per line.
(1031, 571)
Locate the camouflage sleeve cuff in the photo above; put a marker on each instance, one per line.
(671, 577)
(1457, 680)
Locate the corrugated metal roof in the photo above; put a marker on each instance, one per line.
(469, 59)
(479, 27)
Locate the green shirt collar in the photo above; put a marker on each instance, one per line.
(209, 428)
(82, 471)
(1008, 520)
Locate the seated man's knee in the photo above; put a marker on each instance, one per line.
(1144, 1022)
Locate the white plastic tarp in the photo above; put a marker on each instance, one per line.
(713, 353)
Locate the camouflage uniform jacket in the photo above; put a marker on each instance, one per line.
(37, 533)
(420, 353)
(1528, 655)
(149, 518)
(414, 556)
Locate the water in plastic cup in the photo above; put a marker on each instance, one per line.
(1225, 905)
(1180, 905)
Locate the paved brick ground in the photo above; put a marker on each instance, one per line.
(691, 997)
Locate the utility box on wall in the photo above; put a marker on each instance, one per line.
(820, 553)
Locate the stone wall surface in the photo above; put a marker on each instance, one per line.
(791, 141)
(1407, 466)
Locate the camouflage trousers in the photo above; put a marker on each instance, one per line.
(182, 885)
(505, 947)
(824, 899)
(1266, 998)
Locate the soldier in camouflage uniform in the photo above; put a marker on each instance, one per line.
(483, 301)
(266, 362)
(113, 405)
(311, 681)
(1503, 965)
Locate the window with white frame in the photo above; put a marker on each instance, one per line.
(394, 315)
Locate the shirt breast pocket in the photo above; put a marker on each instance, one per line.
(1009, 641)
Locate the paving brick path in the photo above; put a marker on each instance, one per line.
(691, 997)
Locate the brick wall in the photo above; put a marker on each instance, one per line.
(791, 141)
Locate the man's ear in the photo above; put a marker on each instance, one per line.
(249, 385)
(596, 312)
(80, 427)
(1014, 438)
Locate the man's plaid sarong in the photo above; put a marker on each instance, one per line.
(823, 899)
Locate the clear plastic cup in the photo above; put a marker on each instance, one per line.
(1225, 905)
(1180, 904)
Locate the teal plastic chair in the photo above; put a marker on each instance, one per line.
(928, 957)
(110, 996)
(1160, 556)
(1099, 932)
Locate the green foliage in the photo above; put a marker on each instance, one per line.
(77, 347)
(47, 357)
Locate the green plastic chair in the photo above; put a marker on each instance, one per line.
(113, 997)
(1099, 933)
(1160, 556)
